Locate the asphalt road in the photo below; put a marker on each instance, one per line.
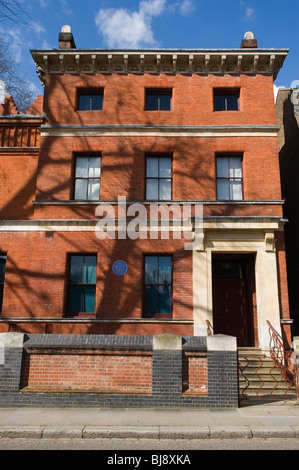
(167, 447)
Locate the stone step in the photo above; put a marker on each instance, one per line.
(258, 367)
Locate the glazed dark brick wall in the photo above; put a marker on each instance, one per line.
(10, 372)
(167, 374)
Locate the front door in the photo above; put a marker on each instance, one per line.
(232, 299)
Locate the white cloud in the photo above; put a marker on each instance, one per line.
(37, 28)
(65, 8)
(186, 7)
(17, 43)
(2, 91)
(123, 28)
(249, 14)
(276, 90)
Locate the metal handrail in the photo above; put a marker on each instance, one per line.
(282, 358)
(210, 328)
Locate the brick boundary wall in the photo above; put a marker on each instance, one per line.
(217, 386)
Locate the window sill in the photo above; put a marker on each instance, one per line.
(93, 319)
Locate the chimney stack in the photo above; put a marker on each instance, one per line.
(66, 39)
(249, 42)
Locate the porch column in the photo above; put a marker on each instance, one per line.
(267, 296)
(202, 291)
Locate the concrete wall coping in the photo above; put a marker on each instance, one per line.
(11, 340)
(221, 343)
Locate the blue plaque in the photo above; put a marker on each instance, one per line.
(119, 268)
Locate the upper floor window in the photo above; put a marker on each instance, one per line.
(82, 284)
(90, 100)
(229, 178)
(158, 178)
(87, 178)
(226, 99)
(2, 276)
(157, 285)
(158, 99)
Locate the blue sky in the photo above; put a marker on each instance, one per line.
(157, 23)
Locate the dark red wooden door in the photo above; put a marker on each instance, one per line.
(231, 303)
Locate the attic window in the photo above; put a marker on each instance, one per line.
(90, 100)
(226, 99)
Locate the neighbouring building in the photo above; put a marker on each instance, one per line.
(287, 112)
(195, 128)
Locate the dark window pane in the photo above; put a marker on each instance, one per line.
(82, 299)
(158, 101)
(158, 281)
(152, 102)
(96, 102)
(75, 296)
(219, 103)
(89, 102)
(1, 296)
(89, 270)
(151, 270)
(151, 300)
(164, 299)
(82, 272)
(228, 270)
(226, 101)
(84, 102)
(76, 269)
(232, 103)
(2, 268)
(165, 270)
(165, 102)
(88, 299)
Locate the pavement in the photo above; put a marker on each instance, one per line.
(255, 420)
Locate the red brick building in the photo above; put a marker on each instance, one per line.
(287, 113)
(186, 127)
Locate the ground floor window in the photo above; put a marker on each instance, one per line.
(2, 276)
(157, 285)
(82, 284)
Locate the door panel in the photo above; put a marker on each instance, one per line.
(232, 311)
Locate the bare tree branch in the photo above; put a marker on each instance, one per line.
(14, 83)
(11, 10)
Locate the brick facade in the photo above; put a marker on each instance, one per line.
(43, 224)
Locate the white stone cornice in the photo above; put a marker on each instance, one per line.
(264, 223)
(157, 131)
(169, 61)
